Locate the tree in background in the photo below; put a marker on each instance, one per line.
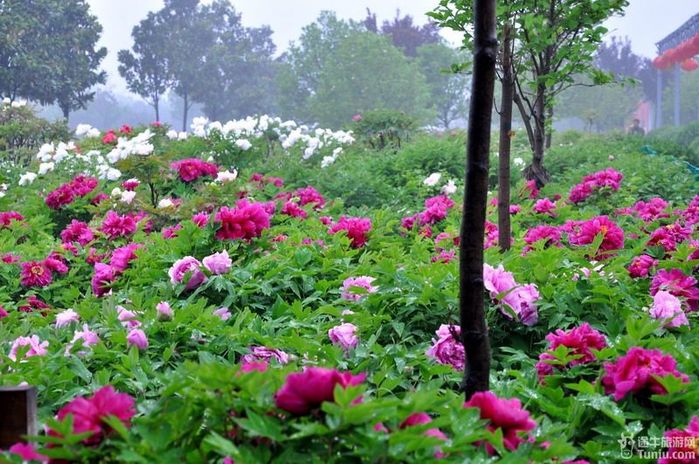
(48, 52)
(617, 57)
(404, 33)
(305, 59)
(146, 68)
(366, 72)
(237, 77)
(448, 84)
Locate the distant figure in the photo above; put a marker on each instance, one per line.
(636, 128)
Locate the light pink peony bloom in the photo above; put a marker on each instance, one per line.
(350, 285)
(668, 307)
(164, 311)
(447, 349)
(344, 336)
(88, 337)
(36, 347)
(66, 317)
(223, 313)
(187, 266)
(263, 353)
(505, 290)
(218, 263)
(137, 338)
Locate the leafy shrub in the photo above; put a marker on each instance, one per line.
(384, 128)
(22, 133)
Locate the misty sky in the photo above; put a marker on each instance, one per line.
(646, 21)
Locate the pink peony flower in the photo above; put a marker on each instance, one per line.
(421, 418)
(684, 444)
(669, 236)
(636, 372)
(109, 138)
(579, 340)
(652, 210)
(115, 225)
(122, 256)
(504, 289)
(545, 206)
(187, 266)
(678, 284)
(88, 413)
(532, 189)
(35, 274)
(254, 366)
(246, 221)
(447, 349)
(3, 312)
(164, 311)
(82, 185)
(550, 234)
(306, 390)
(294, 210)
(444, 256)
(7, 217)
(641, 266)
(36, 347)
(77, 231)
(223, 313)
(192, 169)
(351, 284)
(218, 263)
(356, 229)
(344, 336)
(86, 336)
(515, 209)
(102, 278)
(27, 452)
(504, 414)
(309, 195)
(201, 219)
(66, 317)
(263, 353)
(586, 232)
(668, 307)
(171, 232)
(137, 338)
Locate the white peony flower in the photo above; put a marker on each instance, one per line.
(45, 167)
(27, 178)
(113, 174)
(226, 176)
(116, 192)
(171, 134)
(165, 203)
(127, 197)
(82, 129)
(449, 188)
(432, 179)
(243, 144)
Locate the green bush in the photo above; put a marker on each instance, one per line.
(385, 128)
(22, 132)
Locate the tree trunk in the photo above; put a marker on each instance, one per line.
(66, 112)
(474, 333)
(504, 229)
(186, 109)
(536, 170)
(156, 105)
(549, 133)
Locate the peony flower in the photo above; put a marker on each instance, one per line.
(77, 231)
(201, 219)
(66, 317)
(87, 336)
(545, 206)
(192, 169)
(449, 188)
(130, 184)
(254, 366)
(223, 313)
(89, 413)
(432, 179)
(586, 232)
(669, 236)
(641, 266)
(164, 311)
(580, 342)
(344, 336)
(668, 307)
(36, 347)
(678, 284)
(504, 289)
(636, 372)
(350, 284)
(7, 217)
(187, 266)
(137, 338)
(115, 225)
(102, 278)
(27, 452)
(356, 229)
(447, 349)
(684, 444)
(421, 418)
(263, 353)
(310, 196)
(504, 414)
(35, 274)
(306, 390)
(294, 210)
(122, 256)
(171, 232)
(246, 221)
(550, 234)
(532, 188)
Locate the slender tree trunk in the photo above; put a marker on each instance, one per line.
(185, 97)
(549, 133)
(474, 332)
(536, 170)
(66, 112)
(504, 229)
(156, 105)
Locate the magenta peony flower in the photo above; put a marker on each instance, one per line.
(192, 169)
(83, 185)
(545, 206)
(122, 256)
(641, 266)
(164, 311)
(254, 366)
(515, 209)
(60, 197)
(35, 274)
(187, 266)
(7, 217)
(3, 312)
(201, 219)
(350, 285)
(246, 221)
(36, 347)
(102, 278)
(586, 232)
(130, 185)
(668, 307)
(551, 235)
(651, 210)
(447, 349)
(294, 210)
(421, 418)
(356, 229)
(77, 231)
(669, 236)
(115, 225)
(137, 338)
(531, 187)
(33, 303)
(171, 232)
(27, 452)
(263, 353)
(684, 444)
(504, 414)
(344, 336)
(88, 413)
(679, 284)
(309, 195)
(306, 390)
(579, 340)
(635, 372)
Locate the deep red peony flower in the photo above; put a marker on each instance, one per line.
(192, 169)
(246, 221)
(307, 390)
(35, 274)
(504, 414)
(115, 225)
